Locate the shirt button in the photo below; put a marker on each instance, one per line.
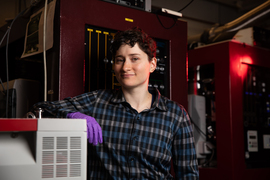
(138, 118)
(135, 138)
(132, 159)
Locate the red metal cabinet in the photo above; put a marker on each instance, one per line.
(230, 61)
(74, 15)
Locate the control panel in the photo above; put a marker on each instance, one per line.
(252, 138)
(256, 115)
(137, 4)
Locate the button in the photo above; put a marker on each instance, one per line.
(106, 60)
(161, 86)
(138, 118)
(135, 138)
(161, 68)
(132, 159)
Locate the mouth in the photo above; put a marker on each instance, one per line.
(127, 75)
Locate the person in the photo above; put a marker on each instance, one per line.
(139, 131)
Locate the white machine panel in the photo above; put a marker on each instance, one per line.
(196, 108)
(57, 150)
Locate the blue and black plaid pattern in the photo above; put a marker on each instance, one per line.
(135, 145)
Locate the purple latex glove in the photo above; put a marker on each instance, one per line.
(94, 132)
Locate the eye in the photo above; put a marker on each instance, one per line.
(119, 60)
(135, 59)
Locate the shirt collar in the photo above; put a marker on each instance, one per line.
(159, 102)
(118, 97)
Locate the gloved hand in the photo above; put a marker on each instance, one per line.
(94, 132)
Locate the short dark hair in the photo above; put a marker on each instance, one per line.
(131, 37)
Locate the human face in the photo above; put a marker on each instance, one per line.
(132, 67)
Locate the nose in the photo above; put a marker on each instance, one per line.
(126, 66)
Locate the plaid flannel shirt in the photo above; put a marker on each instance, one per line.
(135, 145)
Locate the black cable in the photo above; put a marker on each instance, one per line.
(175, 20)
(211, 158)
(2, 86)
(8, 33)
(4, 36)
(196, 126)
(186, 6)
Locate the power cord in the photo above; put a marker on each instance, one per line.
(212, 148)
(3, 92)
(186, 6)
(8, 33)
(196, 126)
(44, 49)
(175, 19)
(212, 155)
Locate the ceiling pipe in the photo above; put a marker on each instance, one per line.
(242, 22)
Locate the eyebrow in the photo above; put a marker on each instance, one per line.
(129, 55)
(134, 54)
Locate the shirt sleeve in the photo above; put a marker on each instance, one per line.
(59, 109)
(184, 152)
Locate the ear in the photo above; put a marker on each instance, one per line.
(153, 64)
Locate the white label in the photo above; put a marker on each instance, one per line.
(266, 141)
(252, 138)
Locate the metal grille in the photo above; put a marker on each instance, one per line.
(48, 143)
(62, 142)
(75, 170)
(61, 158)
(75, 143)
(47, 157)
(75, 156)
(47, 171)
(61, 170)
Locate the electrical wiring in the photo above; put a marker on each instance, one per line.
(2, 86)
(4, 36)
(175, 19)
(196, 126)
(200, 131)
(8, 33)
(44, 49)
(186, 6)
(211, 158)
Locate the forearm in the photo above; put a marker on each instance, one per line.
(58, 109)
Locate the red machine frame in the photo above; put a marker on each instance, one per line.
(230, 59)
(74, 15)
